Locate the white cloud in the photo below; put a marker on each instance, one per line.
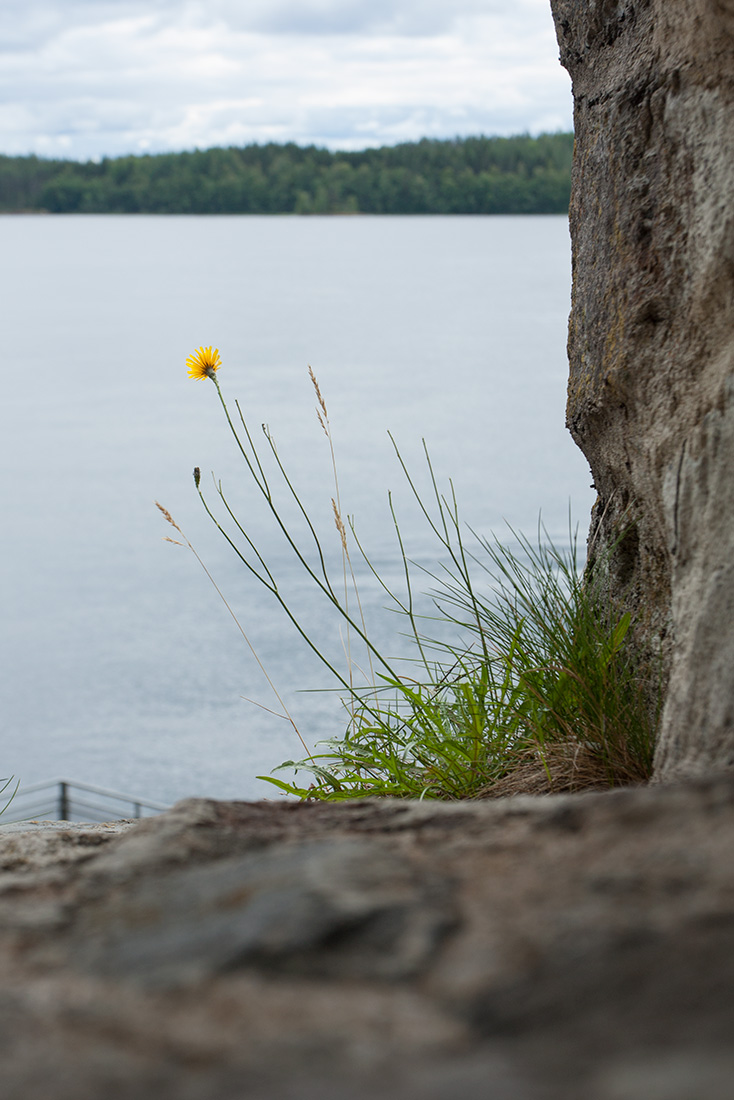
(95, 77)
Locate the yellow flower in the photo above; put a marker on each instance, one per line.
(203, 363)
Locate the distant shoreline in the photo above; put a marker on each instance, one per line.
(476, 175)
(215, 214)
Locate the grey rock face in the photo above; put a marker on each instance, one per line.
(557, 948)
(651, 338)
(329, 908)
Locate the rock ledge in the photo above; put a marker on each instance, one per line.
(559, 947)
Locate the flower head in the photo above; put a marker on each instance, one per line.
(203, 363)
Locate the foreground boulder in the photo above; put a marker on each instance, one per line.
(651, 338)
(560, 947)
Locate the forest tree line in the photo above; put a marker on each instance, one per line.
(478, 175)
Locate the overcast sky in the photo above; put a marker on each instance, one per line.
(88, 78)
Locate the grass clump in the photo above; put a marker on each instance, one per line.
(541, 694)
(522, 678)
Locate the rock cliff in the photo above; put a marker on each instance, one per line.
(651, 338)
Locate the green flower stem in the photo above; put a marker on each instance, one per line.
(323, 584)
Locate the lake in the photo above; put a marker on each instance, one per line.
(121, 666)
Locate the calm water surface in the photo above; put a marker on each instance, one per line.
(121, 666)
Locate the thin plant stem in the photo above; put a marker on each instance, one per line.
(273, 588)
(286, 713)
(321, 581)
(338, 515)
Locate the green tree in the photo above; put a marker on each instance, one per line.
(477, 175)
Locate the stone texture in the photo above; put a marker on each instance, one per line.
(558, 948)
(651, 338)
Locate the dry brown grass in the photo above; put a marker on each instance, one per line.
(563, 768)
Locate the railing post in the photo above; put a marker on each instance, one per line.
(63, 802)
(64, 798)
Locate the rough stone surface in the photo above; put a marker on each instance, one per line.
(651, 337)
(560, 948)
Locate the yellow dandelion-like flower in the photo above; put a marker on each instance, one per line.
(203, 363)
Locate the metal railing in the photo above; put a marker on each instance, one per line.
(68, 800)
